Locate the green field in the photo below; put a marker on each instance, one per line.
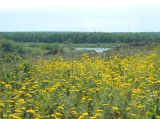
(55, 81)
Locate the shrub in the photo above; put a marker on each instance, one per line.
(7, 45)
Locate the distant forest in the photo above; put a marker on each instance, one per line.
(80, 37)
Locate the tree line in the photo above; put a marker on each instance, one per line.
(80, 37)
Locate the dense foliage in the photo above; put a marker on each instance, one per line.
(94, 88)
(7, 45)
(80, 37)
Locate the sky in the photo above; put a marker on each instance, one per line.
(80, 15)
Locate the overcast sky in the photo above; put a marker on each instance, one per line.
(80, 15)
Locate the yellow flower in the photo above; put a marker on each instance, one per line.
(135, 91)
(81, 117)
(157, 117)
(85, 114)
(61, 107)
(30, 111)
(115, 108)
(21, 101)
(56, 115)
(148, 113)
(1, 104)
(140, 106)
(28, 95)
(14, 116)
(74, 113)
(127, 109)
(93, 117)
(38, 116)
(18, 111)
(158, 81)
(99, 111)
(9, 86)
(23, 108)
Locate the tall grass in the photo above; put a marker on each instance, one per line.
(95, 88)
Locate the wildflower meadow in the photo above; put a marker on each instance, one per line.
(87, 88)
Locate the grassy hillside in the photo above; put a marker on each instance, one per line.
(114, 86)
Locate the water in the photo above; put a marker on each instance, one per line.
(100, 50)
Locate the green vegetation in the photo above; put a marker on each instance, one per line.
(10, 46)
(38, 48)
(51, 80)
(51, 43)
(80, 37)
(112, 87)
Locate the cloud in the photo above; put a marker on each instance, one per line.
(80, 15)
